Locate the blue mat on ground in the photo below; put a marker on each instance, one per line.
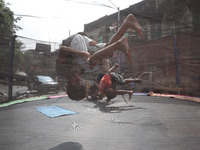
(55, 111)
(142, 94)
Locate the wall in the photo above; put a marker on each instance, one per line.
(158, 56)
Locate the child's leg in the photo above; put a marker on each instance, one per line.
(129, 23)
(132, 80)
(107, 52)
(122, 92)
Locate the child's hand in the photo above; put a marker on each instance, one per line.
(137, 80)
(93, 43)
(116, 65)
(85, 55)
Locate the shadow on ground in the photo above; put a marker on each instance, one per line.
(68, 146)
(108, 107)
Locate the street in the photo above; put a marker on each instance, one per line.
(145, 123)
(20, 92)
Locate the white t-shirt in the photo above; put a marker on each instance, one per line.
(81, 43)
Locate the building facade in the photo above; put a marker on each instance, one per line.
(169, 47)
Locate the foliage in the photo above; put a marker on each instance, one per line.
(19, 57)
(7, 21)
(8, 28)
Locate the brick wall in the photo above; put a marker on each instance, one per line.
(158, 56)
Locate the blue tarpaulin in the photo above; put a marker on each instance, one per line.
(55, 111)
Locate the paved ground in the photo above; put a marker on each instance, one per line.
(146, 123)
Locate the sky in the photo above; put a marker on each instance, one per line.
(54, 20)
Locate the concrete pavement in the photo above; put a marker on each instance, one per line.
(146, 123)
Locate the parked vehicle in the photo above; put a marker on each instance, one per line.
(21, 94)
(43, 84)
(62, 83)
(3, 97)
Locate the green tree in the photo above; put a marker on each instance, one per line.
(19, 59)
(7, 21)
(8, 27)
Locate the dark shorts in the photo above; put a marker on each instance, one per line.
(99, 77)
(117, 79)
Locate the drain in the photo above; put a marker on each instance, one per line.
(74, 125)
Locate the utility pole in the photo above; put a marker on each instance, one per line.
(118, 25)
(176, 59)
(12, 50)
(118, 10)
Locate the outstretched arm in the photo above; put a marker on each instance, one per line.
(114, 67)
(122, 92)
(64, 50)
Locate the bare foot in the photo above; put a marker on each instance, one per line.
(132, 23)
(137, 80)
(130, 95)
(125, 48)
